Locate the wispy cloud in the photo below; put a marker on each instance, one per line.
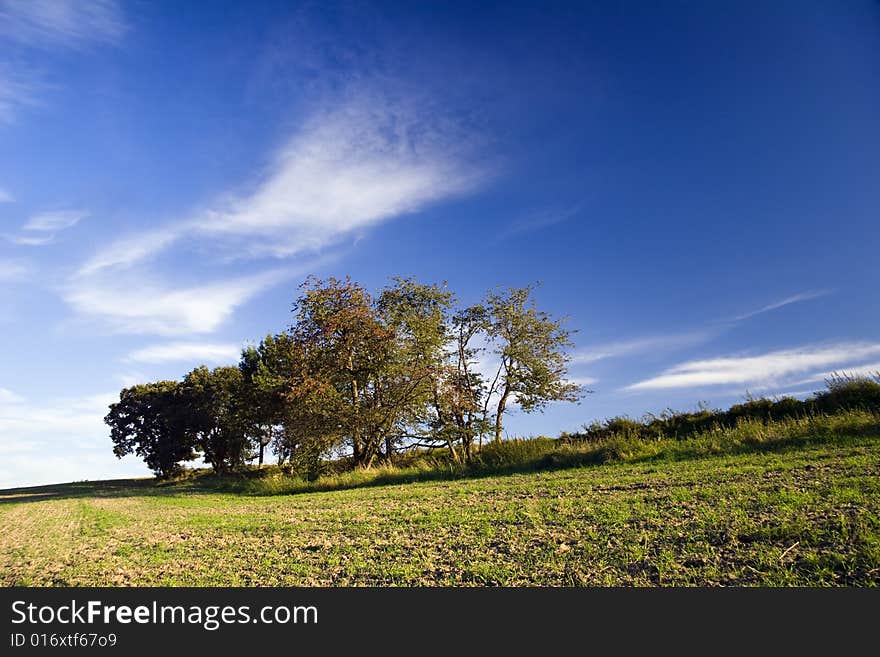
(9, 397)
(21, 418)
(869, 370)
(795, 298)
(128, 379)
(353, 164)
(12, 270)
(541, 219)
(764, 369)
(67, 23)
(670, 342)
(16, 90)
(5, 196)
(347, 170)
(663, 343)
(30, 240)
(40, 229)
(344, 170)
(194, 352)
(128, 251)
(136, 307)
(636, 346)
(47, 24)
(50, 222)
(32, 432)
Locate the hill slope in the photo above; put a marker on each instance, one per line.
(803, 516)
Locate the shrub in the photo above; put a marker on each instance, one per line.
(842, 393)
(845, 391)
(509, 453)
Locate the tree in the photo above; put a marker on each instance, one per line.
(463, 388)
(531, 349)
(215, 420)
(450, 418)
(265, 370)
(357, 375)
(312, 428)
(369, 364)
(149, 421)
(418, 317)
(346, 349)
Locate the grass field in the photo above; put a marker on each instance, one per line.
(805, 514)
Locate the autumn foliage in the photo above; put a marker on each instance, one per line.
(357, 378)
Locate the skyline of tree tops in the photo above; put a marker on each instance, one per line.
(357, 375)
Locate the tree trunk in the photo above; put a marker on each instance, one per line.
(355, 431)
(502, 404)
(263, 444)
(389, 449)
(452, 451)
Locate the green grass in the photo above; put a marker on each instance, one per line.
(538, 454)
(764, 506)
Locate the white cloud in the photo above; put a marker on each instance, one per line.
(869, 370)
(50, 222)
(344, 170)
(47, 24)
(637, 346)
(542, 219)
(61, 22)
(128, 251)
(129, 379)
(796, 298)
(136, 307)
(660, 343)
(12, 270)
(196, 352)
(872, 369)
(34, 432)
(765, 369)
(350, 166)
(21, 419)
(40, 229)
(9, 397)
(789, 393)
(5, 196)
(16, 90)
(583, 380)
(30, 240)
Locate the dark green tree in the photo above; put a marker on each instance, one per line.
(266, 371)
(215, 420)
(149, 420)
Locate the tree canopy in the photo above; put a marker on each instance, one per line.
(359, 377)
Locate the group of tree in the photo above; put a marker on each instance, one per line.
(358, 377)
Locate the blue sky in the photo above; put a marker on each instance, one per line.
(695, 184)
